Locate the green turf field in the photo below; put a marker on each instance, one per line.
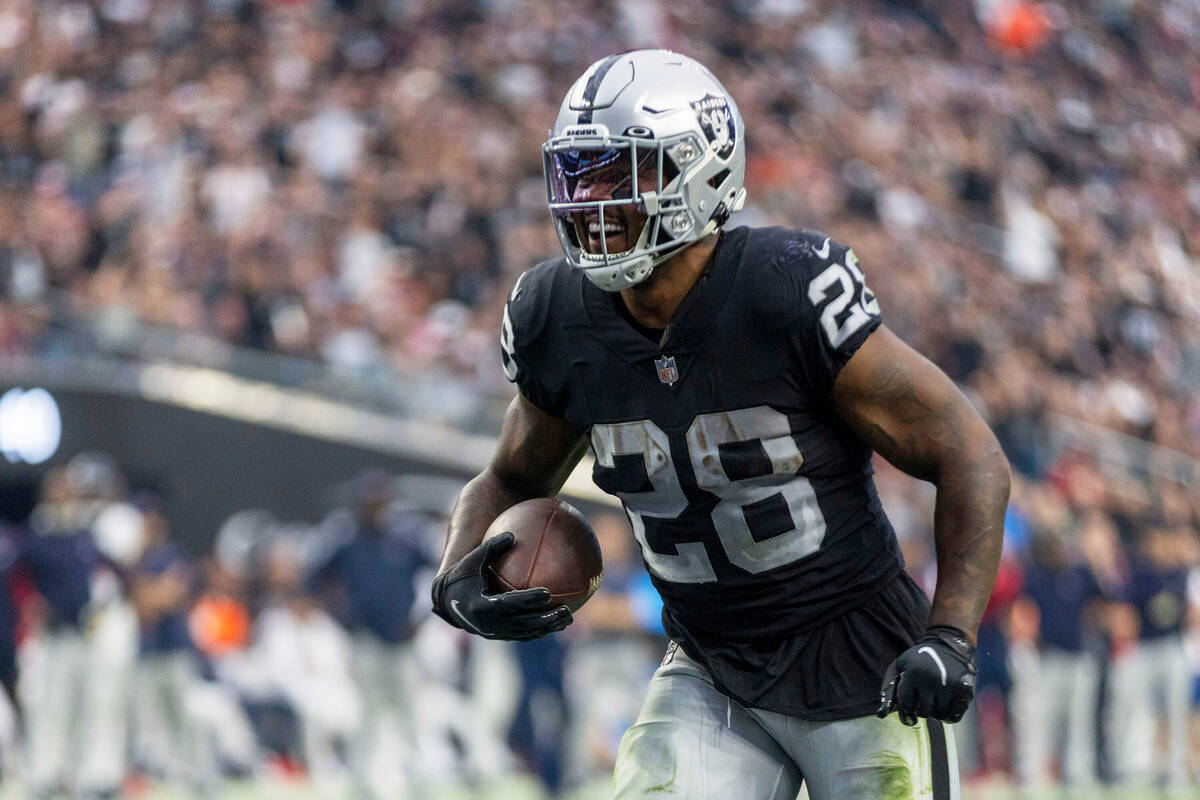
(519, 788)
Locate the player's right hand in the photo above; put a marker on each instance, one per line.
(461, 597)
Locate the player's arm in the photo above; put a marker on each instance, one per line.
(535, 454)
(912, 414)
(909, 412)
(156, 595)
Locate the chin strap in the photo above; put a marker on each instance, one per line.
(732, 203)
(615, 278)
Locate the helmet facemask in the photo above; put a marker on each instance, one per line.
(640, 217)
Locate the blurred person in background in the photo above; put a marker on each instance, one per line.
(1117, 625)
(220, 627)
(471, 688)
(616, 643)
(986, 748)
(306, 662)
(1191, 546)
(12, 581)
(1151, 685)
(1056, 666)
(119, 533)
(77, 677)
(576, 700)
(538, 731)
(467, 702)
(381, 545)
(166, 740)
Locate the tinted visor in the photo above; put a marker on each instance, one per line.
(608, 165)
(574, 163)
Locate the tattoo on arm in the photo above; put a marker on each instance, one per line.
(917, 431)
(913, 416)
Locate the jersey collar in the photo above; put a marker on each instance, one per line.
(688, 330)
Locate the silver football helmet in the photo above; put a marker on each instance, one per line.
(668, 145)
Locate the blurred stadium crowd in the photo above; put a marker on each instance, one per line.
(359, 183)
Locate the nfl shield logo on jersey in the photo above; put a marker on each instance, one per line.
(667, 372)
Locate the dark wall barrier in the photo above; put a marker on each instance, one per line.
(206, 467)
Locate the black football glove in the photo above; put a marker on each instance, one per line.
(934, 678)
(461, 597)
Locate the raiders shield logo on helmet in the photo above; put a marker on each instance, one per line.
(716, 120)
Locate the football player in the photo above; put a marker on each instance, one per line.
(732, 385)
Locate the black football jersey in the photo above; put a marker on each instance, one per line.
(753, 504)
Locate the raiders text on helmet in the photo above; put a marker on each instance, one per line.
(656, 115)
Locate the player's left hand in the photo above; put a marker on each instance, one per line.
(934, 678)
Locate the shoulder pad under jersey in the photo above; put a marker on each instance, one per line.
(783, 263)
(525, 315)
(528, 304)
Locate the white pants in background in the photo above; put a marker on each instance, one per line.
(224, 735)
(605, 677)
(1054, 698)
(53, 669)
(77, 694)
(166, 737)
(469, 691)
(384, 757)
(1155, 676)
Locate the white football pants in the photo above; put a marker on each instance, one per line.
(692, 741)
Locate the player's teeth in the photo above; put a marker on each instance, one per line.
(594, 227)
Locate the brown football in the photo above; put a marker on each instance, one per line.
(556, 548)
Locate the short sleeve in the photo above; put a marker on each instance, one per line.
(520, 329)
(836, 311)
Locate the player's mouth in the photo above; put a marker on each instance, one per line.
(609, 235)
